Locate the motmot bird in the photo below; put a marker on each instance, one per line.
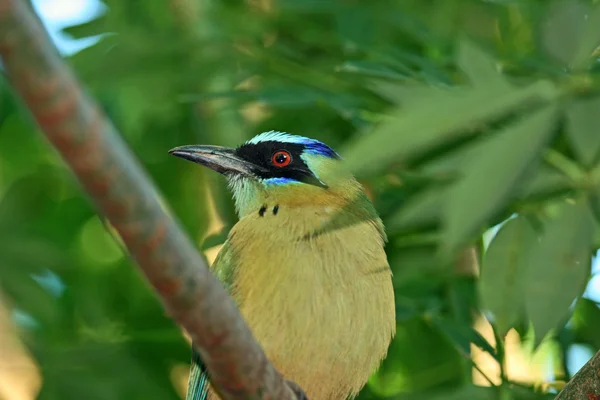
(305, 263)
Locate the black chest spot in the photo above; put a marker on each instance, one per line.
(263, 210)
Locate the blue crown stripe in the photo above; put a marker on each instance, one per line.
(312, 146)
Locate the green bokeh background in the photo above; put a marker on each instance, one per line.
(174, 72)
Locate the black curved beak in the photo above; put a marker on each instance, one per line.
(220, 159)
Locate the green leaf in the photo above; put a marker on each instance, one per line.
(529, 393)
(582, 128)
(571, 32)
(594, 200)
(96, 26)
(216, 239)
(462, 336)
(563, 28)
(492, 170)
(405, 368)
(371, 69)
(416, 272)
(503, 274)
(470, 392)
(419, 211)
(558, 267)
(589, 40)
(395, 92)
(585, 323)
(479, 66)
(28, 295)
(436, 118)
(546, 182)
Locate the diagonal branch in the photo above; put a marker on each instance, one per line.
(585, 384)
(111, 175)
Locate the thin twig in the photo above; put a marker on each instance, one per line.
(501, 353)
(478, 369)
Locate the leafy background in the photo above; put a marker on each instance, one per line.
(471, 123)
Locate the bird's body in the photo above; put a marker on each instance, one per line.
(307, 268)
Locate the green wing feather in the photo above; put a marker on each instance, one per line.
(198, 383)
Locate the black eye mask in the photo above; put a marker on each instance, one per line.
(261, 155)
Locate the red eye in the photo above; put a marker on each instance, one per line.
(281, 158)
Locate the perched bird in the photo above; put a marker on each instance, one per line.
(305, 263)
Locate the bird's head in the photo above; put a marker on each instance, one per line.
(279, 167)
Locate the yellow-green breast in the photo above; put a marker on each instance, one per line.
(320, 301)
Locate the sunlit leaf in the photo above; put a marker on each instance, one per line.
(98, 244)
(582, 128)
(506, 155)
(503, 276)
(558, 267)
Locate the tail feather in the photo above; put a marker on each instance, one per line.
(198, 383)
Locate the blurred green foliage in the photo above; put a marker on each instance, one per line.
(455, 114)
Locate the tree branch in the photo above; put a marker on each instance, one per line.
(122, 191)
(585, 385)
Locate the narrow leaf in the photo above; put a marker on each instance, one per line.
(503, 275)
(491, 173)
(547, 181)
(582, 119)
(435, 119)
(558, 267)
(93, 27)
(462, 336)
(371, 69)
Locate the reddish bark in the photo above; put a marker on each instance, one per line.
(585, 384)
(114, 179)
